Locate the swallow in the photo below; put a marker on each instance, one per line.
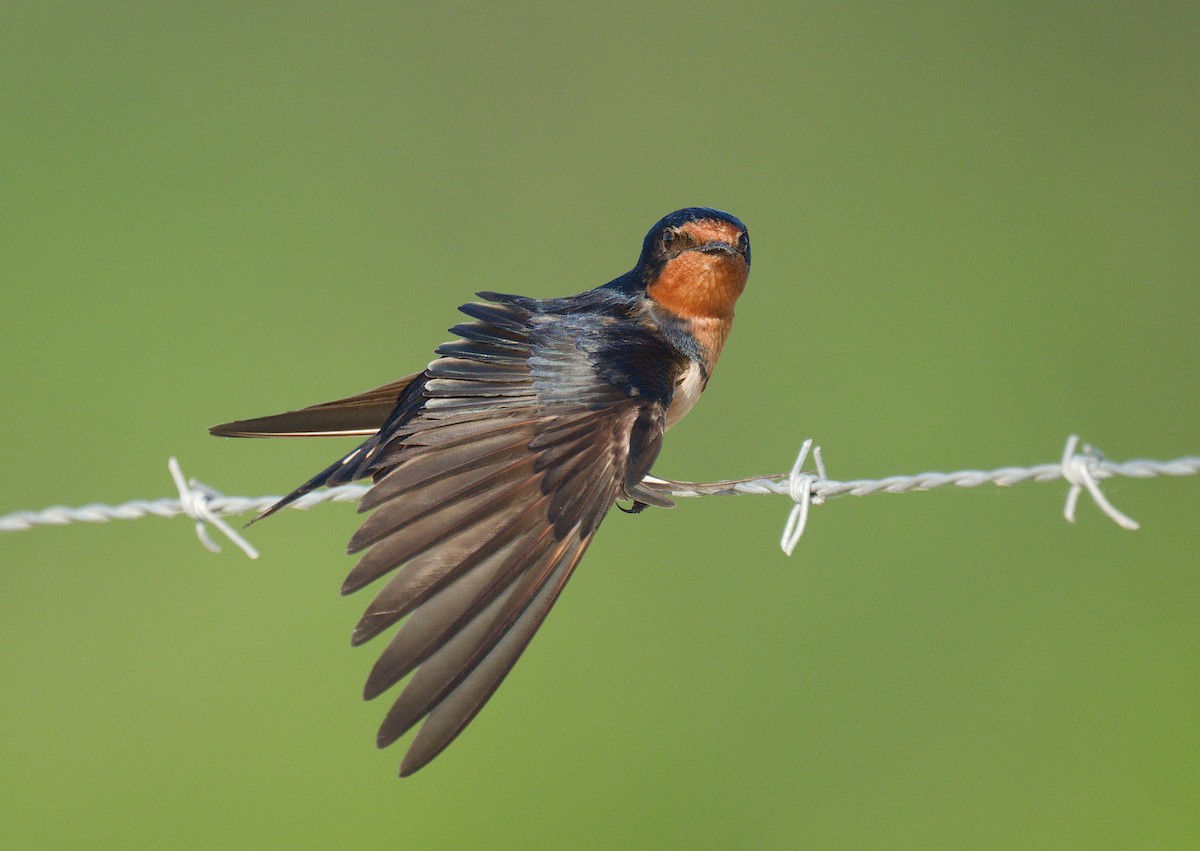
(493, 468)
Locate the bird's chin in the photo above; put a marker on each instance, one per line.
(698, 284)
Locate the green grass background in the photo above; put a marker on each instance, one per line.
(976, 230)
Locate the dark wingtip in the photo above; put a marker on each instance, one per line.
(418, 757)
(360, 637)
(261, 427)
(286, 501)
(392, 730)
(374, 687)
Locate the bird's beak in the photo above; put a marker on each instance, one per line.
(717, 248)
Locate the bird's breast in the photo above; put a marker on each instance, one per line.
(688, 388)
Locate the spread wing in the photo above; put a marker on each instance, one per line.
(486, 496)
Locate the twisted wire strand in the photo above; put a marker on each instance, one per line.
(1188, 465)
(96, 512)
(1083, 470)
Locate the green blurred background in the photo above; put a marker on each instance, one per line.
(976, 230)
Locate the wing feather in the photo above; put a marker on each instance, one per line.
(423, 467)
(362, 414)
(440, 680)
(476, 371)
(502, 355)
(500, 316)
(483, 512)
(457, 709)
(434, 569)
(497, 476)
(455, 606)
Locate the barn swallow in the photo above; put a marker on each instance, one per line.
(493, 468)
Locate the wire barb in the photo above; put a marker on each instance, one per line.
(194, 500)
(800, 489)
(1082, 470)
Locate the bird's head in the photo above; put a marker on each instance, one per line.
(695, 262)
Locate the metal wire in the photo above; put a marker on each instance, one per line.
(1083, 469)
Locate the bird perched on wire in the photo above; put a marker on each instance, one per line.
(494, 466)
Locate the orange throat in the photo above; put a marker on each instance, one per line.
(702, 289)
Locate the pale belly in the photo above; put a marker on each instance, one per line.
(687, 390)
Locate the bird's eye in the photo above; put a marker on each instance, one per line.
(743, 242)
(668, 236)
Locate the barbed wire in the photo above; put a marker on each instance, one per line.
(1082, 468)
